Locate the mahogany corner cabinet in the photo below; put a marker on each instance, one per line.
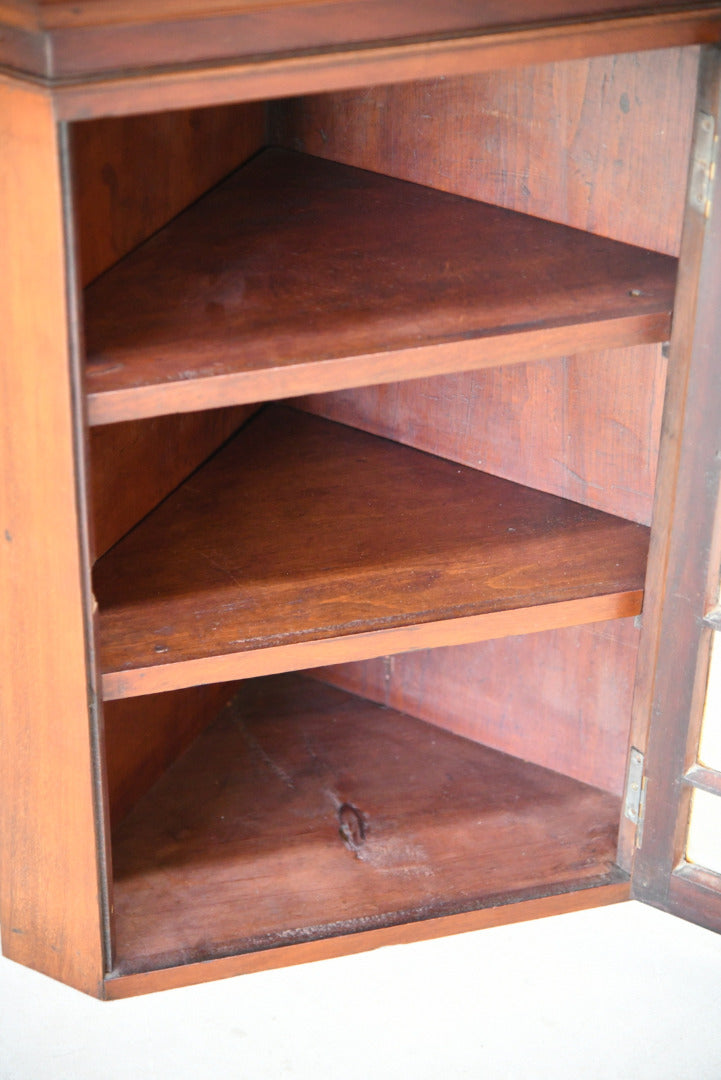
(359, 471)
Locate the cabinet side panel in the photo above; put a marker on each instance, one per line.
(560, 699)
(50, 904)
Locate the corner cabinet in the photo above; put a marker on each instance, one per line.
(360, 467)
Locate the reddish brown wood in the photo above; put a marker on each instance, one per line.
(694, 894)
(133, 174)
(158, 678)
(560, 699)
(373, 62)
(60, 40)
(298, 274)
(136, 464)
(572, 397)
(495, 14)
(250, 554)
(51, 886)
(581, 142)
(593, 896)
(583, 427)
(144, 736)
(305, 812)
(700, 776)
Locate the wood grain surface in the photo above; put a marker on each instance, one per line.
(600, 144)
(304, 812)
(302, 531)
(684, 570)
(134, 465)
(131, 175)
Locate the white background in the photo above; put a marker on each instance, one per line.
(624, 993)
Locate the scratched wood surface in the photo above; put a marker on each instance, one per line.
(304, 812)
(370, 536)
(614, 889)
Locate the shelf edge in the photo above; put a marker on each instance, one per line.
(293, 380)
(307, 654)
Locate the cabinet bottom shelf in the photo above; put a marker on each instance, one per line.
(304, 813)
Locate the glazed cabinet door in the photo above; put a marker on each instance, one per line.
(677, 863)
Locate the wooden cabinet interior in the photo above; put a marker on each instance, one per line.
(584, 425)
(464, 454)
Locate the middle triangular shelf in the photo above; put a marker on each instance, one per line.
(305, 542)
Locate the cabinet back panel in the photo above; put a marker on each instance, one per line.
(561, 698)
(583, 427)
(136, 464)
(598, 144)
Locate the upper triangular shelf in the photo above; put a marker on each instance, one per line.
(300, 275)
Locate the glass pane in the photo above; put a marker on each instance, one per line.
(704, 831)
(709, 750)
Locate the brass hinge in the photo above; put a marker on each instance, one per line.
(705, 145)
(635, 802)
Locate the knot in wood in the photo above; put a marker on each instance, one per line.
(352, 827)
